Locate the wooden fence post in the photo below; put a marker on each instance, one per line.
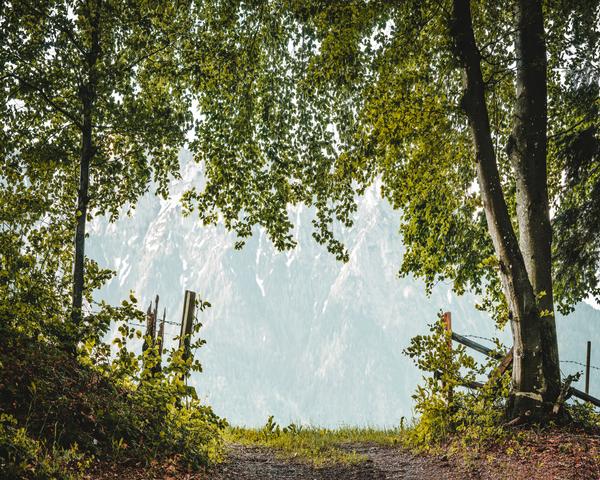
(155, 313)
(447, 317)
(187, 322)
(160, 340)
(150, 329)
(587, 367)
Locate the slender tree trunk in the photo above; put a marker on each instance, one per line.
(528, 376)
(527, 149)
(87, 95)
(87, 152)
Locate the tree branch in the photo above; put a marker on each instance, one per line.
(49, 101)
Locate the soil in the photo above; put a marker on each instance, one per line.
(260, 463)
(253, 463)
(551, 455)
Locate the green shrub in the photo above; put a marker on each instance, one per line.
(159, 415)
(26, 458)
(584, 414)
(443, 404)
(115, 406)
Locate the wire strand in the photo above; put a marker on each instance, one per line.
(579, 363)
(562, 361)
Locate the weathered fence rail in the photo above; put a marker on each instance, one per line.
(467, 342)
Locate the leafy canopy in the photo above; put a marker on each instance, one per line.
(310, 102)
(140, 116)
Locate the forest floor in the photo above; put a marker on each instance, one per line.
(549, 455)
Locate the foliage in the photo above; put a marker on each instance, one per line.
(112, 407)
(94, 106)
(311, 102)
(141, 111)
(318, 446)
(26, 458)
(577, 244)
(584, 414)
(443, 405)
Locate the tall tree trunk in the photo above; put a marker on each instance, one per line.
(528, 375)
(527, 149)
(87, 95)
(87, 152)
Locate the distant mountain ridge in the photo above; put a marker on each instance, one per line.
(296, 334)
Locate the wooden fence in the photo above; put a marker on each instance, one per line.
(153, 337)
(506, 362)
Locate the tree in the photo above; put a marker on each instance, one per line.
(525, 264)
(94, 106)
(479, 117)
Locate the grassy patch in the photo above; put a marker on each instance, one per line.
(318, 446)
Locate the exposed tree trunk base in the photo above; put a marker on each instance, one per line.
(522, 410)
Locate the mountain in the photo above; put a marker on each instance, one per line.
(297, 334)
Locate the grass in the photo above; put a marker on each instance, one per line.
(318, 446)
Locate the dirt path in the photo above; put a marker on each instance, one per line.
(554, 455)
(383, 463)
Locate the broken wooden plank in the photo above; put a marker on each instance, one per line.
(502, 367)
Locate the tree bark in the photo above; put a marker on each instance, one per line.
(87, 95)
(527, 150)
(82, 203)
(528, 376)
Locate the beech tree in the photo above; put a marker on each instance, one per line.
(481, 118)
(94, 106)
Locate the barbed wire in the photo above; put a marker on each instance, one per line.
(143, 326)
(579, 363)
(480, 338)
(135, 324)
(562, 361)
(172, 323)
(469, 336)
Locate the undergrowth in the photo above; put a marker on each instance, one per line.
(61, 411)
(22, 456)
(447, 411)
(585, 415)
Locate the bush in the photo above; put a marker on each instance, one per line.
(114, 407)
(162, 416)
(443, 405)
(584, 414)
(26, 458)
